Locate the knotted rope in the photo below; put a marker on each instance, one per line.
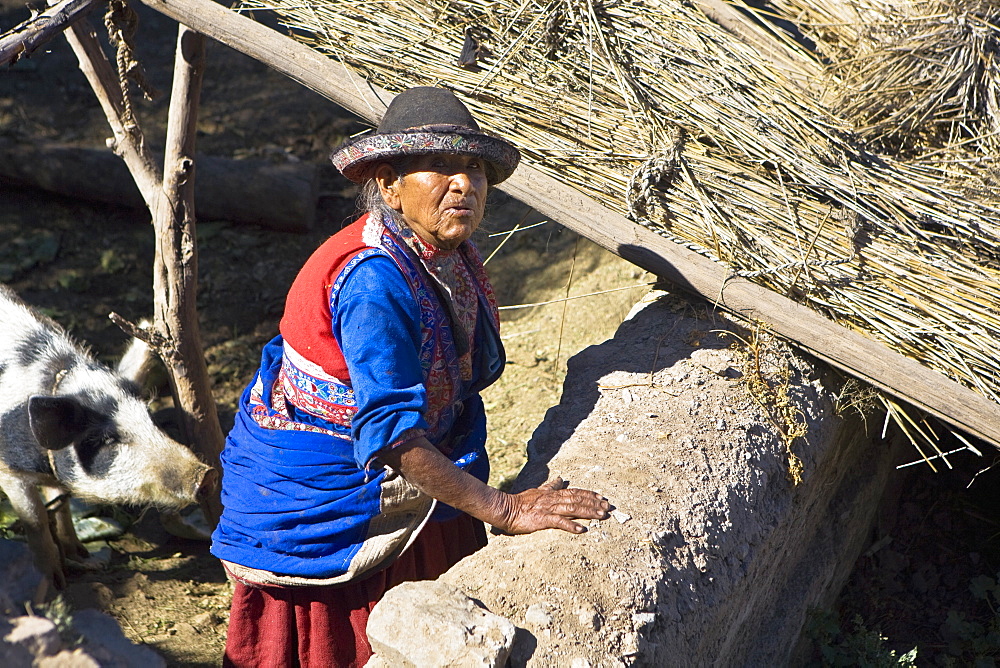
(645, 194)
(122, 22)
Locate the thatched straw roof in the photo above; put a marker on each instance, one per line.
(653, 109)
(913, 76)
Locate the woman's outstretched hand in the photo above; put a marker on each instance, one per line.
(549, 506)
(552, 505)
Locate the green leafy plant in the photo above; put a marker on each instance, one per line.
(858, 646)
(972, 642)
(59, 612)
(8, 520)
(112, 261)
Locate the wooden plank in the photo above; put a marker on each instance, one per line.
(845, 349)
(763, 37)
(849, 351)
(297, 61)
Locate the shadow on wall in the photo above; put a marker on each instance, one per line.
(592, 364)
(585, 370)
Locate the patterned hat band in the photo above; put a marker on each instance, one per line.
(355, 157)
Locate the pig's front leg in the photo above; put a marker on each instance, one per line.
(65, 533)
(27, 503)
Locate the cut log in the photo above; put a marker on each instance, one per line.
(276, 196)
(857, 355)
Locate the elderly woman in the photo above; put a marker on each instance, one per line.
(358, 459)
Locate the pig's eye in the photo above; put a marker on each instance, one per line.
(97, 451)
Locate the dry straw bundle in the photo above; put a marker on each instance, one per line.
(914, 76)
(655, 110)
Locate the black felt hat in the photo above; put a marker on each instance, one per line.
(424, 120)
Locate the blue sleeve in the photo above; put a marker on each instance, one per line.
(376, 321)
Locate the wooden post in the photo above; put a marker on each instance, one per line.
(175, 334)
(175, 267)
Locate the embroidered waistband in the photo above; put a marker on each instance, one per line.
(315, 392)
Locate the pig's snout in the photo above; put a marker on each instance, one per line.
(177, 481)
(188, 481)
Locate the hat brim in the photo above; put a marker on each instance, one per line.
(355, 158)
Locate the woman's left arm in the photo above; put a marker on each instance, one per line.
(377, 326)
(550, 506)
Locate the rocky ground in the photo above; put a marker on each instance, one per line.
(79, 261)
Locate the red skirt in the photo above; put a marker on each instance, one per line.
(325, 626)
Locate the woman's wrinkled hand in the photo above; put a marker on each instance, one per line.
(551, 506)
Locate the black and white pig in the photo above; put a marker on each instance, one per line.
(70, 424)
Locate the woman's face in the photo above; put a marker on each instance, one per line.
(442, 198)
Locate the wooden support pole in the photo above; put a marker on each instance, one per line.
(297, 61)
(175, 266)
(855, 354)
(170, 201)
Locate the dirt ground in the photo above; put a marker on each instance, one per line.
(78, 261)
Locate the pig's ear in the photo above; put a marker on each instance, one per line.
(56, 421)
(137, 361)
